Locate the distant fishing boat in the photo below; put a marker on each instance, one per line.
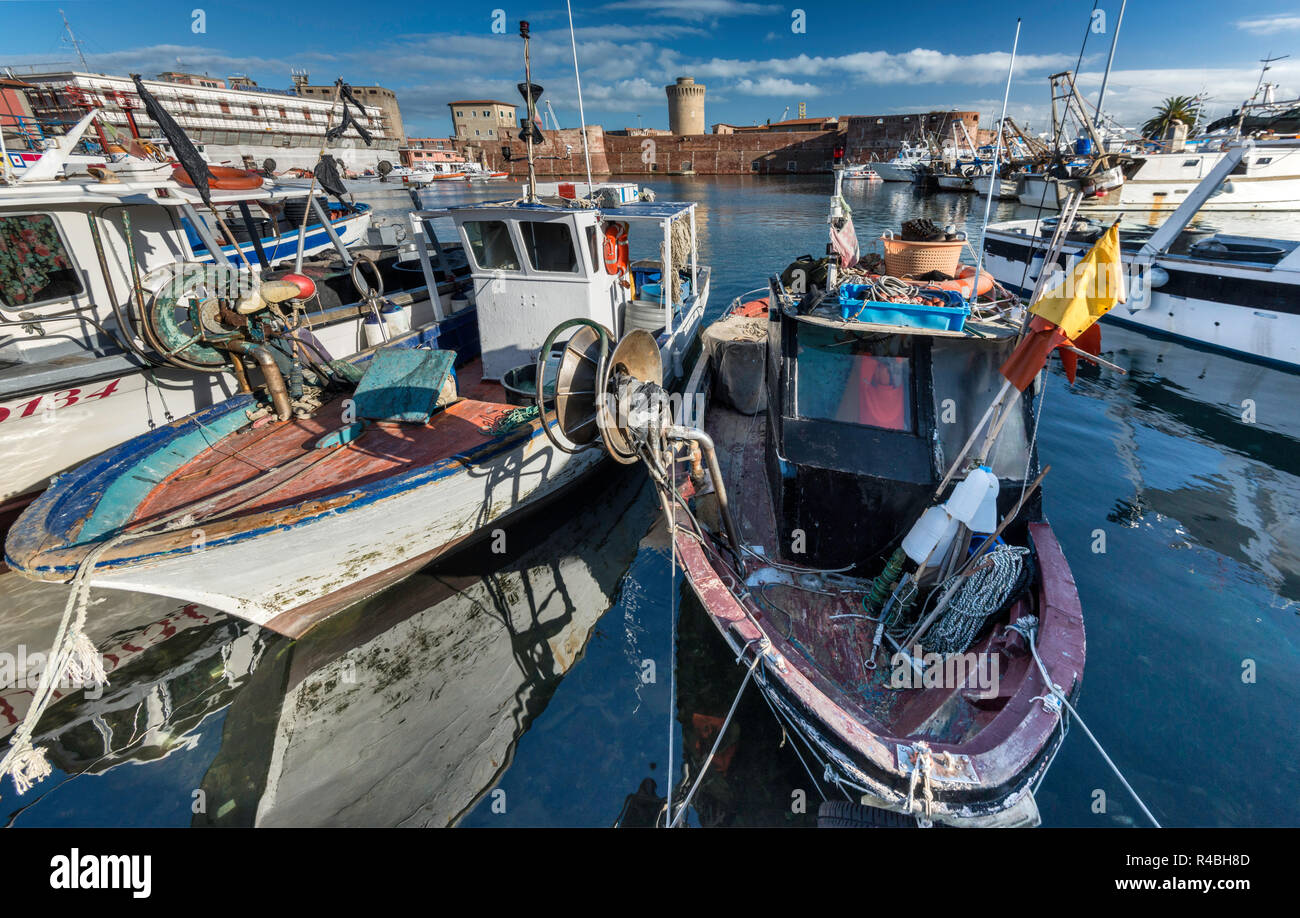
(862, 174)
(902, 168)
(1229, 291)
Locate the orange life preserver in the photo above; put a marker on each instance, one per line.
(616, 251)
(753, 308)
(223, 178)
(963, 282)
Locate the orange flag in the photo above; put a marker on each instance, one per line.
(1067, 315)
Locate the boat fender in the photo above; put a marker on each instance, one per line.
(306, 286)
(222, 178)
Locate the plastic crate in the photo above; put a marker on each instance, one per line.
(854, 305)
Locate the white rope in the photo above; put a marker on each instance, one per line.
(984, 591)
(1055, 691)
(72, 653)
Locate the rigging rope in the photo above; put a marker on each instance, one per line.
(1058, 697)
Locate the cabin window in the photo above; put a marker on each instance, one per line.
(966, 379)
(490, 242)
(35, 266)
(549, 247)
(594, 245)
(855, 379)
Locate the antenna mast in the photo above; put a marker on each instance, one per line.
(75, 43)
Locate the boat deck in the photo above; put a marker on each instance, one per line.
(289, 467)
(833, 652)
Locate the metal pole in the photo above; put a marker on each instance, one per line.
(582, 117)
(311, 190)
(532, 113)
(997, 154)
(1114, 39)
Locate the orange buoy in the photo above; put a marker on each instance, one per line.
(223, 178)
(964, 281)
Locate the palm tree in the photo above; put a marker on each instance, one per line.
(1186, 109)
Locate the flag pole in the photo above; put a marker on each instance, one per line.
(997, 155)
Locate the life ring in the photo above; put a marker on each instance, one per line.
(753, 308)
(222, 178)
(616, 250)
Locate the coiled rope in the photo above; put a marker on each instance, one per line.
(986, 589)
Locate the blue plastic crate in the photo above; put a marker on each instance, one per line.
(855, 305)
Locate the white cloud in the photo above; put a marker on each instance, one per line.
(920, 65)
(696, 10)
(776, 86)
(1268, 24)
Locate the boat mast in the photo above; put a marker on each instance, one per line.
(75, 43)
(582, 116)
(994, 180)
(1114, 39)
(531, 101)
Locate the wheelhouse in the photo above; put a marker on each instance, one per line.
(867, 419)
(536, 265)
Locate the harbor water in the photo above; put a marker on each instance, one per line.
(533, 683)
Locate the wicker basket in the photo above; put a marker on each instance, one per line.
(908, 259)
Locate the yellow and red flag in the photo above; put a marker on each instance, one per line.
(1066, 316)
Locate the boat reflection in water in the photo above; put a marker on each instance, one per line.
(403, 710)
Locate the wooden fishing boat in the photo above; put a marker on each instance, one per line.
(285, 505)
(912, 675)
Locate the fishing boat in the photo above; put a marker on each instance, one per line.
(862, 174)
(1228, 291)
(83, 303)
(1002, 188)
(301, 717)
(307, 497)
(902, 167)
(825, 432)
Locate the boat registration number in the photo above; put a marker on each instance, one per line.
(49, 402)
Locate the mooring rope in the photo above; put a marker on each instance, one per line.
(722, 731)
(1058, 696)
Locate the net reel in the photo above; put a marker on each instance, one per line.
(605, 394)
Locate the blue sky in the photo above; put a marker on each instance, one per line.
(852, 58)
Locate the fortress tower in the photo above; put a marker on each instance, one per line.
(686, 106)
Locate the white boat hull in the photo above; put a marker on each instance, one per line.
(1244, 327)
(895, 172)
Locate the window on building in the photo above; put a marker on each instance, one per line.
(476, 133)
(791, 165)
(460, 114)
(490, 243)
(486, 113)
(35, 266)
(549, 247)
(491, 133)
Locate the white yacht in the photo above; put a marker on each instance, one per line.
(902, 168)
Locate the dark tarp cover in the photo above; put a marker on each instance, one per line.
(334, 133)
(327, 173)
(188, 155)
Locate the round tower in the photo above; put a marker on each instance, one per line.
(685, 106)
